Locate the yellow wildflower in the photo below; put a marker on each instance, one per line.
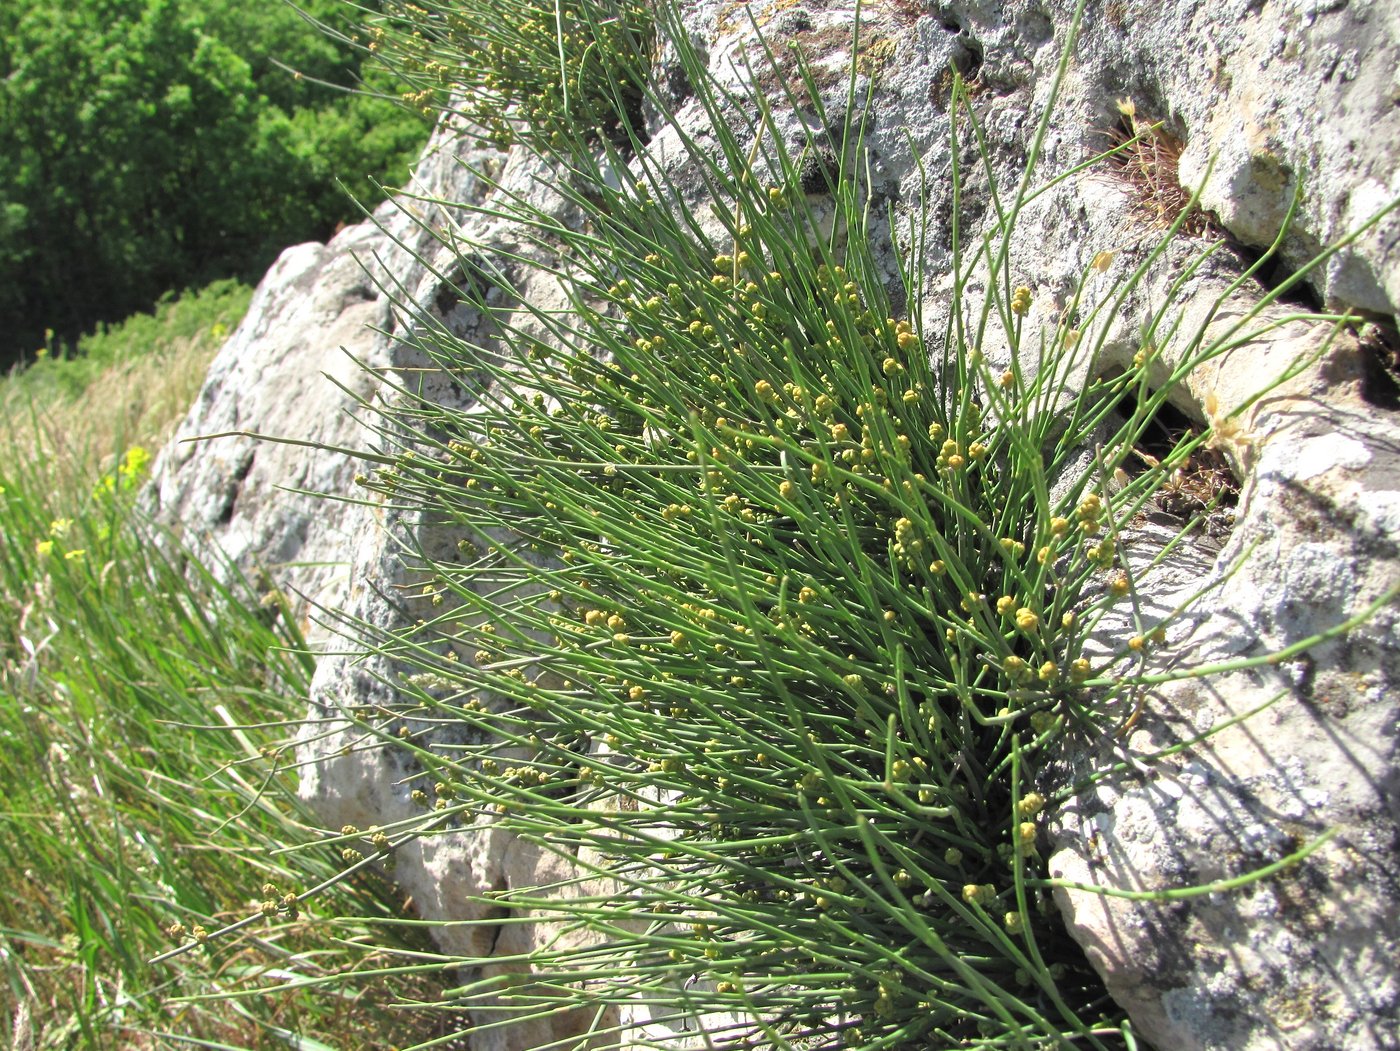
(134, 462)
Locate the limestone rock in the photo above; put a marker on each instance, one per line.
(1274, 93)
(301, 366)
(1264, 759)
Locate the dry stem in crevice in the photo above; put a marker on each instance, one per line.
(1149, 162)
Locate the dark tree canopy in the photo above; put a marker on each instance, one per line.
(149, 145)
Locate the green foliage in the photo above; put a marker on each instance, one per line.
(155, 144)
(147, 690)
(538, 72)
(208, 314)
(145, 694)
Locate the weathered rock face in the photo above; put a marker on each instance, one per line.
(1274, 93)
(309, 355)
(1270, 757)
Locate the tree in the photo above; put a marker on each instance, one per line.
(149, 145)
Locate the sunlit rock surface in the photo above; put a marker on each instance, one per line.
(1268, 99)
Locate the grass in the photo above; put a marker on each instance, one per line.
(146, 691)
(1148, 156)
(770, 602)
(127, 384)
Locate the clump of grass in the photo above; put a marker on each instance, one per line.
(770, 601)
(146, 692)
(542, 73)
(127, 385)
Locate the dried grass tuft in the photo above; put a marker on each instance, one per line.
(1149, 160)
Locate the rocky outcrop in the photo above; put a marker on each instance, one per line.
(302, 370)
(1266, 98)
(1221, 776)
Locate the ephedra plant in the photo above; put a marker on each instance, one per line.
(768, 600)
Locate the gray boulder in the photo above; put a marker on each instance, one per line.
(1263, 96)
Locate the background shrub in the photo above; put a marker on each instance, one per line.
(152, 145)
